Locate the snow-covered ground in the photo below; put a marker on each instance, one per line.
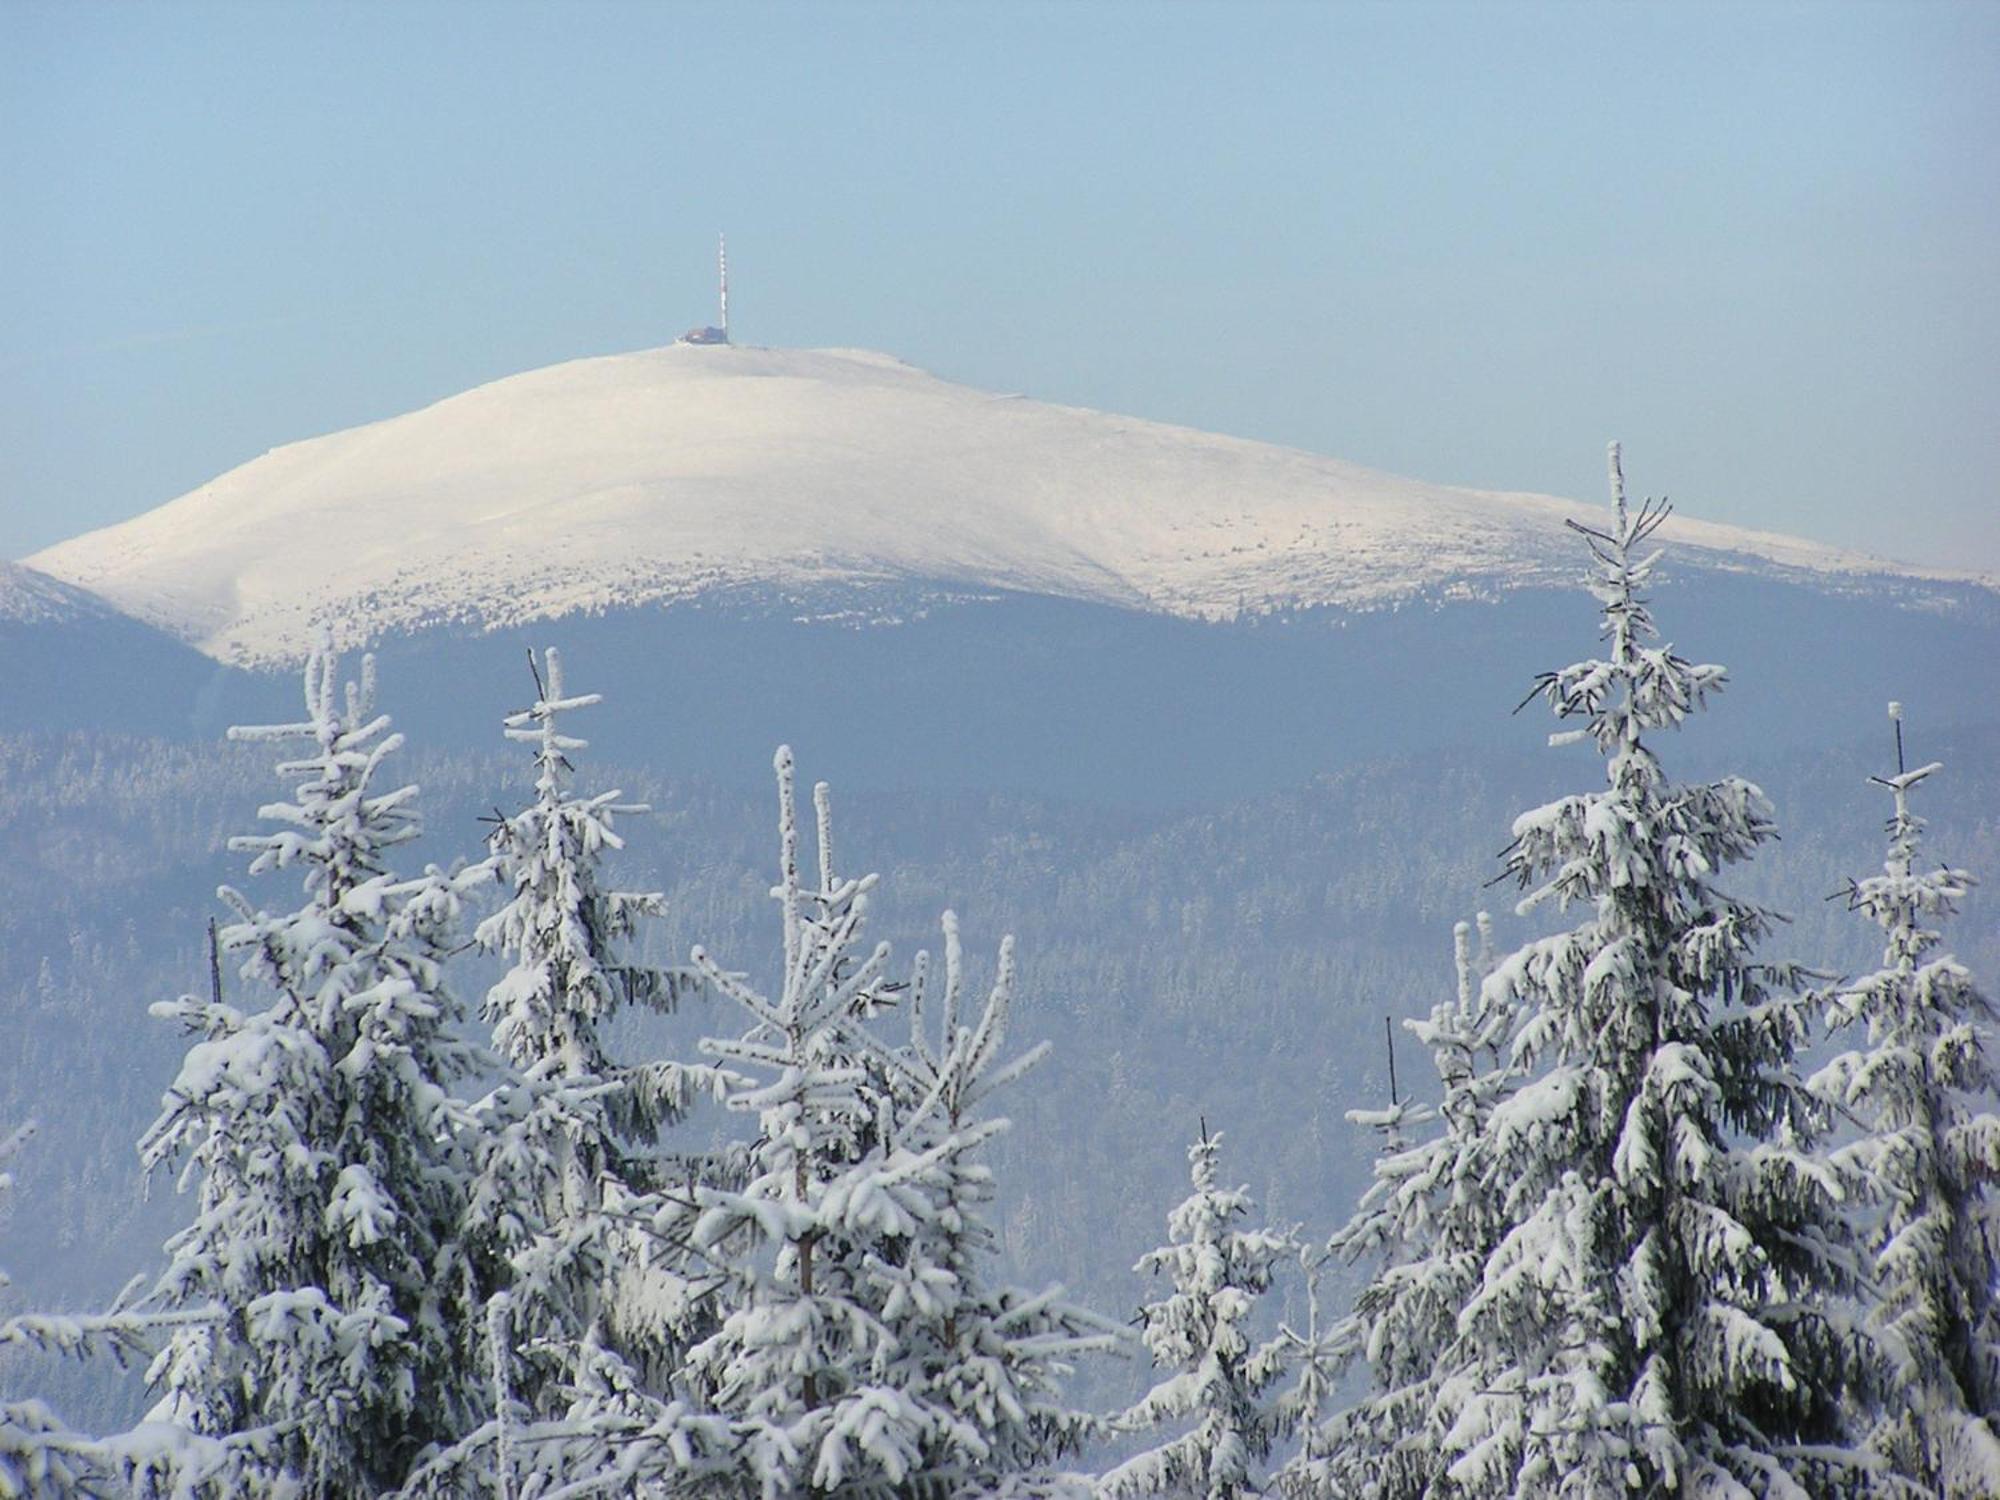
(676, 472)
(31, 598)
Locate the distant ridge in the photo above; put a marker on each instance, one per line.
(70, 661)
(28, 597)
(695, 472)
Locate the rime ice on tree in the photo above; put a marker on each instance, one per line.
(1202, 1333)
(985, 1361)
(563, 930)
(1658, 1310)
(40, 1454)
(791, 1358)
(596, 1315)
(1930, 1158)
(1428, 1221)
(569, 1159)
(323, 1140)
(862, 1351)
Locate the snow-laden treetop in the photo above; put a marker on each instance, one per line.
(676, 472)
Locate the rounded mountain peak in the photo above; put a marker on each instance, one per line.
(690, 471)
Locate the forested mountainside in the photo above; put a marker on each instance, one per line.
(1232, 964)
(1218, 733)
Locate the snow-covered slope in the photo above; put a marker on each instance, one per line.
(681, 471)
(70, 661)
(31, 598)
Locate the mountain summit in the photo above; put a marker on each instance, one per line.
(688, 471)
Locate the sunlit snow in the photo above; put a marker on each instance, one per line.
(671, 473)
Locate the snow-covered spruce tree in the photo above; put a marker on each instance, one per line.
(1202, 1333)
(569, 1162)
(1428, 1222)
(323, 1139)
(793, 1359)
(1315, 1357)
(1929, 1157)
(1660, 1310)
(841, 1275)
(985, 1361)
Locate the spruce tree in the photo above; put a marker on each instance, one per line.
(39, 1452)
(985, 1361)
(1428, 1223)
(792, 1363)
(1928, 1158)
(569, 1167)
(323, 1139)
(1202, 1334)
(864, 1348)
(1660, 1310)
(1315, 1355)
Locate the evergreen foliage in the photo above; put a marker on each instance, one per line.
(1203, 1334)
(985, 1360)
(1929, 1159)
(41, 1454)
(864, 1348)
(323, 1139)
(38, 1452)
(793, 1360)
(1659, 1311)
(1429, 1221)
(1615, 1256)
(569, 1167)
(1633, 1262)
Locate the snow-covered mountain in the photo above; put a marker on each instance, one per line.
(69, 660)
(686, 471)
(1229, 846)
(31, 598)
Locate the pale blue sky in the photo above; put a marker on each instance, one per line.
(1464, 242)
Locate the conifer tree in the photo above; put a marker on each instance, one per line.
(1428, 1222)
(323, 1139)
(568, 1167)
(794, 1363)
(1315, 1355)
(1660, 1309)
(39, 1452)
(1929, 1159)
(983, 1360)
(1202, 1333)
(863, 1348)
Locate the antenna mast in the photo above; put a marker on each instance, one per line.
(722, 267)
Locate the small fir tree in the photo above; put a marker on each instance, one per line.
(864, 1348)
(1316, 1359)
(323, 1139)
(1203, 1334)
(1929, 1157)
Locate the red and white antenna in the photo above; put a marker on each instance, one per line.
(722, 267)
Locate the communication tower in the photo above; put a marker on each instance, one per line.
(711, 334)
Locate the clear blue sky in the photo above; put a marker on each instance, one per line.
(1464, 242)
